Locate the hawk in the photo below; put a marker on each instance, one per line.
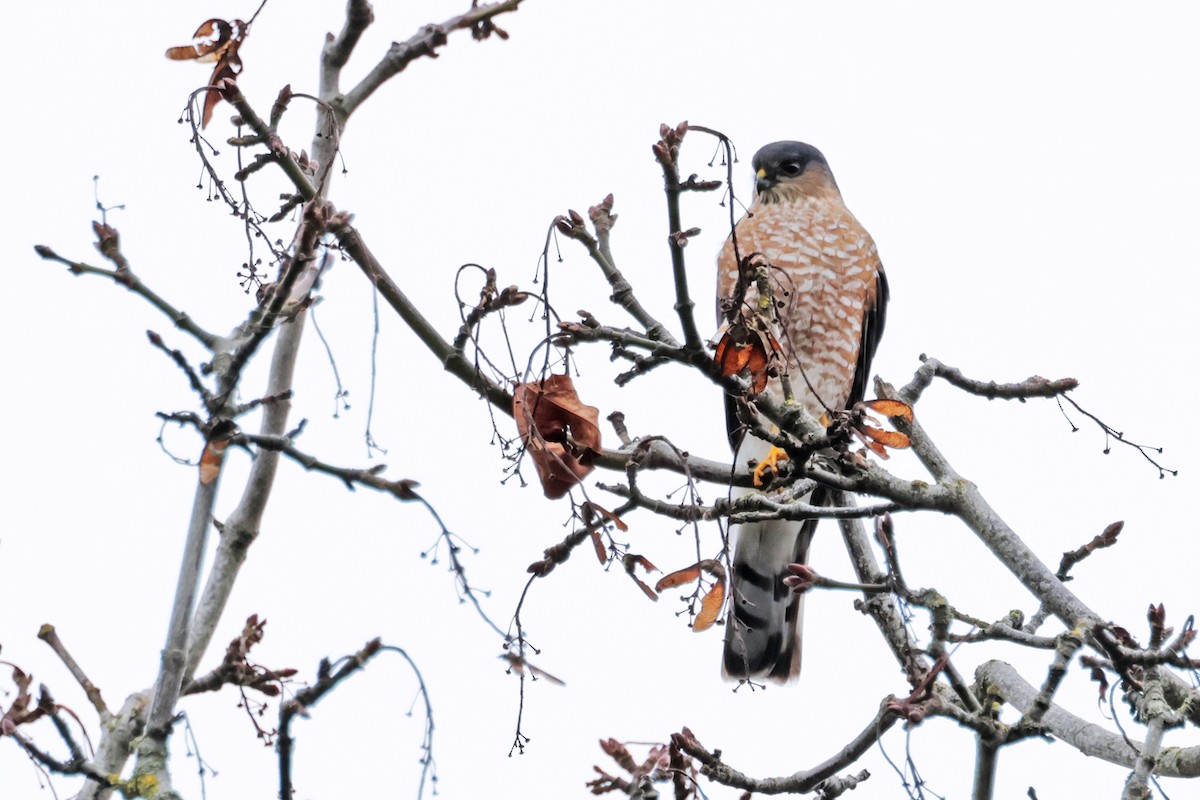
(829, 295)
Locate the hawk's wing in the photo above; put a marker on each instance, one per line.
(872, 331)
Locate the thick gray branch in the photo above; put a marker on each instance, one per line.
(1086, 737)
(242, 526)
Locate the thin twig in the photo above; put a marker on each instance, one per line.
(302, 701)
(49, 635)
(125, 277)
(666, 151)
(425, 43)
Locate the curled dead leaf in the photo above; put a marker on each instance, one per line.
(560, 433)
(891, 408)
(216, 40)
(877, 439)
(742, 350)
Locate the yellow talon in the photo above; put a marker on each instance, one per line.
(770, 461)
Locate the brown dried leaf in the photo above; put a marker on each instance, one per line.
(742, 350)
(216, 40)
(520, 665)
(601, 551)
(679, 577)
(225, 70)
(608, 515)
(633, 561)
(209, 40)
(23, 680)
(645, 589)
(561, 434)
(1100, 678)
(214, 450)
(538, 672)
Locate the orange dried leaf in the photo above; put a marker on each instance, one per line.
(679, 577)
(891, 408)
(561, 434)
(742, 350)
(710, 607)
(688, 574)
(727, 356)
(893, 439)
(714, 599)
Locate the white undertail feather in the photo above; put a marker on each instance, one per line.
(763, 632)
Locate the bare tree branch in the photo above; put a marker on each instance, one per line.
(50, 636)
(1087, 738)
(425, 43)
(799, 782)
(1034, 386)
(124, 276)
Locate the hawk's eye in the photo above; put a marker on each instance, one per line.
(791, 168)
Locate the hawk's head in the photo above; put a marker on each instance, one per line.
(788, 171)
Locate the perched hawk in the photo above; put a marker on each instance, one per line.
(830, 293)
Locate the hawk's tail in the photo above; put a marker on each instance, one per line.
(763, 632)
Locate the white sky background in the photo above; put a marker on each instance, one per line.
(1029, 176)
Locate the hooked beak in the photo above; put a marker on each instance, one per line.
(762, 182)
